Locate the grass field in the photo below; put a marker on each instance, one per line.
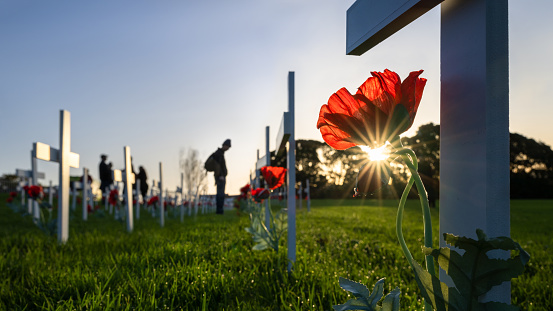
(206, 263)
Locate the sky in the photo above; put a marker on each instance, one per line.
(166, 76)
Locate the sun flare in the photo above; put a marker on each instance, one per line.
(378, 154)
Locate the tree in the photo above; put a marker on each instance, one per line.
(531, 165)
(195, 176)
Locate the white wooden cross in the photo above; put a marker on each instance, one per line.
(129, 179)
(66, 159)
(161, 198)
(474, 109)
(286, 137)
(85, 190)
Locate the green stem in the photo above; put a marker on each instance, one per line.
(399, 222)
(410, 160)
(425, 211)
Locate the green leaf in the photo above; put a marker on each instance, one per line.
(435, 292)
(357, 289)
(352, 304)
(473, 272)
(391, 301)
(378, 292)
(365, 300)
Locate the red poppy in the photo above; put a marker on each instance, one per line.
(273, 175)
(260, 194)
(13, 194)
(89, 209)
(113, 197)
(153, 200)
(35, 192)
(245, 189)
(9, 199)
(382, 108)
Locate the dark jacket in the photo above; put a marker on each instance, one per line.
(219, 157)
(105, 172)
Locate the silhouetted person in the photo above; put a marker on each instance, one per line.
(105, 174)
(220, 174)
(143, 181)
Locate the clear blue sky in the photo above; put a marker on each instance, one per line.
(161, 76)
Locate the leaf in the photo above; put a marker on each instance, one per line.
(437, 293)
(365, 300)
(377, 293)
(391, 301)
(357, 289)
(352, 304)
(473, 273)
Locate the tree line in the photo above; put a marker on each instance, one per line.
(333, 173)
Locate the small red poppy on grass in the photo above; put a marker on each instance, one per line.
(245, 189)
(35, 192)
(113, 197)
(13, 194)
(382, 108)
(274, 176)
(9, 199)
(260, 194)
(153, 200)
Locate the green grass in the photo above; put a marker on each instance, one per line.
(206, 263)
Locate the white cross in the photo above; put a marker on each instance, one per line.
(474, 109)
(66, 159)
(129, 180)
(161, 198)
(286, 137)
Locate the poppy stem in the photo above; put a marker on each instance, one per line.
(399, 222)
(411, 161)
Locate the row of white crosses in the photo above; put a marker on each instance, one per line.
(474, 109)
(66, 159)
(285, 140)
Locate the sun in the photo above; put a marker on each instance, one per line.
(378, 154)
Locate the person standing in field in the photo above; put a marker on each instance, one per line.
(220, 174)
(143, 181)
(105, 174)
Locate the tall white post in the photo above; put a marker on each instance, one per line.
(30, 202)
(291, 163)
(85, 193)
(129, 180)
(64, 170)
(268, 163)
(474, 120)
(181, 197)
(161, 198)
(34, 181)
